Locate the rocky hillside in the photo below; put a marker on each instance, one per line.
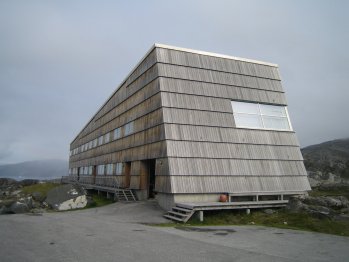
(41, 170)
(328, 161)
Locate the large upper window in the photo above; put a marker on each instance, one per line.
(260, 116)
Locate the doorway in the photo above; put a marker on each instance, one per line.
(127, 171)
(151, 178)
(147, 179)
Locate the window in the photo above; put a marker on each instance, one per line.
(129, 128)
(260, 116)
(118, 167)
(109, 169)
(86, 146)
(90, 144)
(107, 138)
(90, 168)
(95, 142)
(100, 170)
(100, 140)
(117, 133)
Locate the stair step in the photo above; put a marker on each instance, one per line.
(182, 209)
(173, 218)
(177, 214)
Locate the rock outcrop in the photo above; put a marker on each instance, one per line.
(66, 197)
(14, 201)
(334, 208)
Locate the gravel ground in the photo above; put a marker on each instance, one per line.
(116, 233)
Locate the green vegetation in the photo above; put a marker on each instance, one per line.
(43, 188)
(99, 200)
(338, 191)
(280, 219)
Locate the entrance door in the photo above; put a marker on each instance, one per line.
(127, 174)
(151, 177)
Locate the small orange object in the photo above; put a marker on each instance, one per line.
(223, 198)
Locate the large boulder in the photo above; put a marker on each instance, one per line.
(66, 197)
(19, 207)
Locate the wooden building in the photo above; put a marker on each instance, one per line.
(188, 126)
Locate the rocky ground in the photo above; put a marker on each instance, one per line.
(331, 207)
(15, 198)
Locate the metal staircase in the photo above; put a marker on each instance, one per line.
(125, 195)
(179, 214)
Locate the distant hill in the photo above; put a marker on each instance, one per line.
(329, 157)
(41, 169)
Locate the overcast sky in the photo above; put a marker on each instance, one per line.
(60, 60)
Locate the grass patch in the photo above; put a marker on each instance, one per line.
(280, 219)
(328, 192)
(43, 188)
(99, 200)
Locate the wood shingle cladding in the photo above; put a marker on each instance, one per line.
(179, 104)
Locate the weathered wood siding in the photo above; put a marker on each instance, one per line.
(138, 99)
(206, 152)
(180, 104)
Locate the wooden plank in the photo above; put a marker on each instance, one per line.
(231, 184)
(236, 151)
(208, 76)
(229, 135)
(216, 63)
(234, 167)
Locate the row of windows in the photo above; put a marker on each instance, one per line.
(108, 169)
(261, 116)
(106, 138)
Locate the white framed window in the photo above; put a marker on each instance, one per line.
(129, 128)
(86, 146)
(117, 133)
(118, 168)
(261, 116)
(95, 142)
(109, 169)
(90, 144)
(100, 170)
(107, 138)
(100, 140)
